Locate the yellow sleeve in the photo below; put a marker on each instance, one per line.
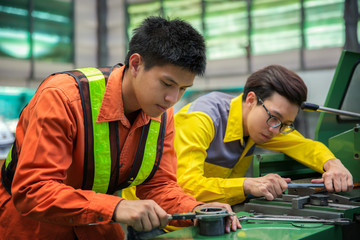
(306, 151)
(193, 134)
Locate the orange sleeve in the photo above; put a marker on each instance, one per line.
(44, 186)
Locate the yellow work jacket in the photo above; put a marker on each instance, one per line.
(213, 155)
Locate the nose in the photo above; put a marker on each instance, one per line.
(172, 96)
(275, 130)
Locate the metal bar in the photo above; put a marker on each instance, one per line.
(314, 107)
(336, 221)
(184, 216)
(338, 112)
(306, 185)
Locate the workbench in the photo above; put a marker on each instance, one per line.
(264, 231)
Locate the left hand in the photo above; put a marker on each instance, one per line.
(336, 177)
(231, 221)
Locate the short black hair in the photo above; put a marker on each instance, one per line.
(160, 41)
(275, 78)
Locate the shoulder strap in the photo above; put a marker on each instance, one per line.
(149, 153)
(98, 151)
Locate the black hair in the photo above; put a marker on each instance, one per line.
(275, 78)
(160, 41)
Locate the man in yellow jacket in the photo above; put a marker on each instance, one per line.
(215, 137)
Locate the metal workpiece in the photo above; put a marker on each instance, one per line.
(299, 202)
(294, 219)
(347, 198)
(319, 199)
(302, 191)
(299, 206)
(211, 220)
(203, 213)
(210, 225)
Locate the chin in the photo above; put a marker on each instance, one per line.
(154, 114)
(258, 140)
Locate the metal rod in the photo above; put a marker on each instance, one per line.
(306, 185)
(314, 107)
(184, 216)
(337, 221)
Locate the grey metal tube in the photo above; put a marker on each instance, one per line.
(314, 107)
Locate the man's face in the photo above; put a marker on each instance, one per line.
(160, 87)
(256, 122)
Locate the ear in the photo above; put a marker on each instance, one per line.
(251, 99)
(135, 63)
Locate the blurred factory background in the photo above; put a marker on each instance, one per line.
(40, 37)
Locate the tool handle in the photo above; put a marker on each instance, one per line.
(306, 185)
(314, 107)
(309, 106)
(182, 216)
(190, 215)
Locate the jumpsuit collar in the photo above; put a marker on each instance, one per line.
(112, 106)
(234, 127)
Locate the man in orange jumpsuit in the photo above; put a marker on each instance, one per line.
(45, 191)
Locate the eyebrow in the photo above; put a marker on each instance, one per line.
(281, 116)
(174, 82)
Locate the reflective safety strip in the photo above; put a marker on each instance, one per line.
(149, 157)
(102, 155)
(8, 157)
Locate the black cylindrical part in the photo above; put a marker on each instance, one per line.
(212, 226)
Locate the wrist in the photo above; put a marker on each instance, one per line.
(327, 165)
(115, 210)
(246, 188)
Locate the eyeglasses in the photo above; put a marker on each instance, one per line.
(274, 122)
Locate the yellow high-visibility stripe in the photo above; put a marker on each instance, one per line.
(149, 157)
(102, 154)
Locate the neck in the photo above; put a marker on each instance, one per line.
(245, 111)
(132, 116)
(128, 95)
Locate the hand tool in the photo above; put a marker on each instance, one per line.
(211, 219)
(193, 215)
(306, 185)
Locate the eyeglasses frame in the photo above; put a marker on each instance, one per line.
(281, 124)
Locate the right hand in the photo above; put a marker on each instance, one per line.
(269, 186)
(142, 215)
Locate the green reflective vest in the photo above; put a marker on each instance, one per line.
(102, 148)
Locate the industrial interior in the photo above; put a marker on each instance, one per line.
(319, 40)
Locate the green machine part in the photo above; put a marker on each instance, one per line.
(340, 133)
(279, 163)
(264, 231)
(346, 146)
(344, 95)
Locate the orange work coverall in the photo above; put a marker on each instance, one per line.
(46, 201)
